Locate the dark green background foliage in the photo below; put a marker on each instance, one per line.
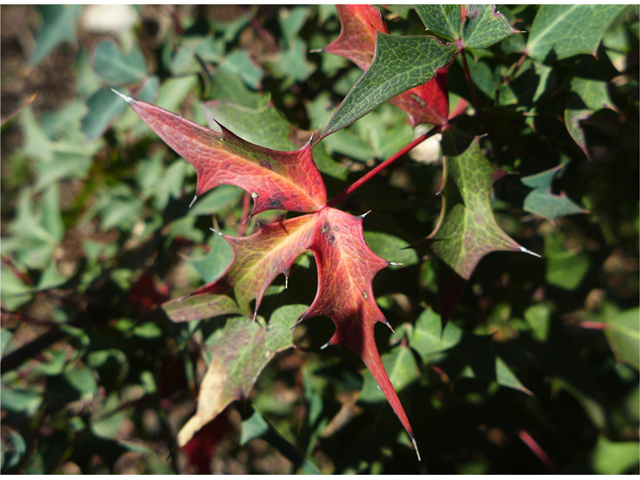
(96, 232)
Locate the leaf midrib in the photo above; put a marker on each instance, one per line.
(542, 33)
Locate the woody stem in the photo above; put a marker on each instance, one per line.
(358, 183)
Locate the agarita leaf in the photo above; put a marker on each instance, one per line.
(467, 229)
(427, 103)
(346, 265)
(275, 179)
(117, 68)
(569, 29)
(443, 20)
(542, 201)
(238, 357)
(399, 64)
(484, 26)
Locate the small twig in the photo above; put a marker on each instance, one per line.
(358, 183)
(472, 88)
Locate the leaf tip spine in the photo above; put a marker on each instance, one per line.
(195, 197)
(524, 250)
(126, 98)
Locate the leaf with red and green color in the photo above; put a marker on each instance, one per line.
(258, 259)
(542, 201)
(275, 179)
(467, 229)
(346, 267)
(357, 39)
(427, 103)
(237, 358)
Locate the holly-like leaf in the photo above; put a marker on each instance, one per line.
(484, 26)
(357, 39)
(467, 229)
(399, 64)
(258, 259)
(590, 93)
(237, 358)
(542, 201)
(117, 68)
(427, 103)
(569, 29)
(275, 179)
(443, 20)
(346, 267)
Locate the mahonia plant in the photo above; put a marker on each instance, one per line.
(407, 71)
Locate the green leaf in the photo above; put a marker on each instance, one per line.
(238, 357)
(467, 229)
(400, 63)
(443, 20)
(484, 26)
(428, 338)
(241, 65)
(215, 263)
(391, 248)
(104, 108)
(217, 200)
(19, 400)
(110, 426)
(293, 63)
(569, 29)
(565, 268)
(36, 143)
(541, 201)
(538, 317)
(115, 67)
(402, 370)
(624, 337)
(13, 293)
(506, 378)
(615, 458)
(58, 25)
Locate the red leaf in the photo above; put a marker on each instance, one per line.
(275, 180)
(202, 447)
(427, 103)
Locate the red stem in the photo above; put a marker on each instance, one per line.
(358, 183)
(467, 74)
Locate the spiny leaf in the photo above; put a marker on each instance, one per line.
(399, 64)
(590, 93)
(260, 258)
(443, 20)
(569, 29)
(267, 127)
(346, 267)
(238, 357)
(275, 179)
(427, 103)
(484, 26)
(467, 229)
(541, 201)
(357, 39)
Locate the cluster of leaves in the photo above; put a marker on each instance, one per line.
(524, 352)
